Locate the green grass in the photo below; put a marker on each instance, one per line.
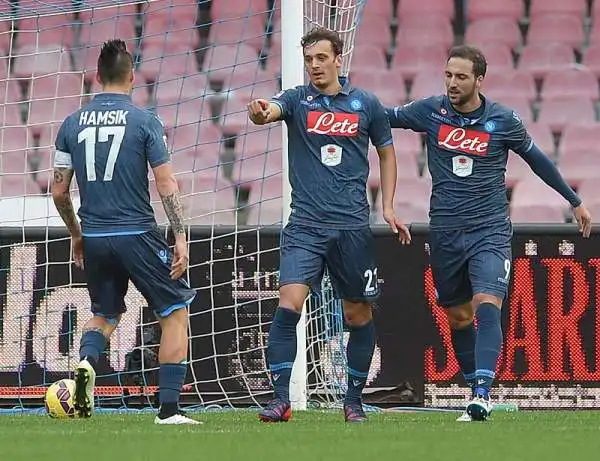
(527, 436)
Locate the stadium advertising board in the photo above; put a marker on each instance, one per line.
(551, 322)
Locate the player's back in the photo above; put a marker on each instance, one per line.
(108, 140)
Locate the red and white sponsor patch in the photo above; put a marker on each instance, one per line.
(332, 123)
(462, 140)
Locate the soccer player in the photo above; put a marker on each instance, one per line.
(330, 124)
(468, 139)
(108, 145)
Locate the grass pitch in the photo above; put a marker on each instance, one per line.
(238, 436)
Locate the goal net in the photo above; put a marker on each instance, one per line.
(197, 65)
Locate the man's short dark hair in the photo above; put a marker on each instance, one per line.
(321, 33)
(115, 62)
(472, 54)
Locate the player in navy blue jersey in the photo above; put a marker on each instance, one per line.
(468, 139)
(108, 145)
(329, 125)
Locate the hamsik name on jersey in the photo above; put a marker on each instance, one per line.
(108, 117)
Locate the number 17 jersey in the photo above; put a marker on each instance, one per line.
(109, 144)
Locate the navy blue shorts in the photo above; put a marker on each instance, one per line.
(348, 256)
(145, 259)
(469, 262)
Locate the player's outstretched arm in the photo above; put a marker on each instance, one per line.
(62, 200)
(388, 176)
(168, 189)
(261, 111)
(545, 169)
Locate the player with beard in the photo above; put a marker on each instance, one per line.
(468, 139)
(329, 125)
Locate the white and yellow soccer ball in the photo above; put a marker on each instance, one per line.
(59, 399)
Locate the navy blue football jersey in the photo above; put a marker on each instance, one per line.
(109, 144)
(328, 143)
(466, 157)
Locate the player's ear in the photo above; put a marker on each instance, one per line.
(338, 61)
(479, 81)
(98, 79)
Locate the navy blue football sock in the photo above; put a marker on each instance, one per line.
(91, 346)
(463, 341)
(359, 354)
(171, 377)
(281, 351)
(487, 346)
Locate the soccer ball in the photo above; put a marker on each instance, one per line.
(59, 399)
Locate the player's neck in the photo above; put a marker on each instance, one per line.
(116, 89)
(331, 89)
(470, 106)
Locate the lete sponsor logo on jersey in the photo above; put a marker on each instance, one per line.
(467, 141)
(332, 123)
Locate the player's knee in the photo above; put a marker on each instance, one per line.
(481, 298)
(105, 324)
(357, 314)
(292, 296)
(461, 316)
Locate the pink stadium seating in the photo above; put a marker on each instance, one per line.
(427, 83)
(444, 8)
(520, 105)
(503, 30)
(411, 201)
(543, 138)
(498, 56)
(591, 58)
(18, 186)
(407, 167)
(550, 28)
(367, 57)
(372, 31)
(6, 37)
(425, 30)
(56, 85)
(261, 139)
(97, 28)
(479, 9)
(577, 165)
(409, 60)
(172, 89)
(175, 11)
(540, 58)
(589, 191)
(222, 61)
(557, 113)
(580, 137)
(251, 166)
(44, 30)
(155, 63)
(171, 37)
(265, 201)
(509, 83)
(250, 31)
(572, 82)
(32, 61)
(378, 8)
(9, 91)
(44, 111)
(407, 144)
(541, 7)
(240, 8)
(534, 201)
(15, 143)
